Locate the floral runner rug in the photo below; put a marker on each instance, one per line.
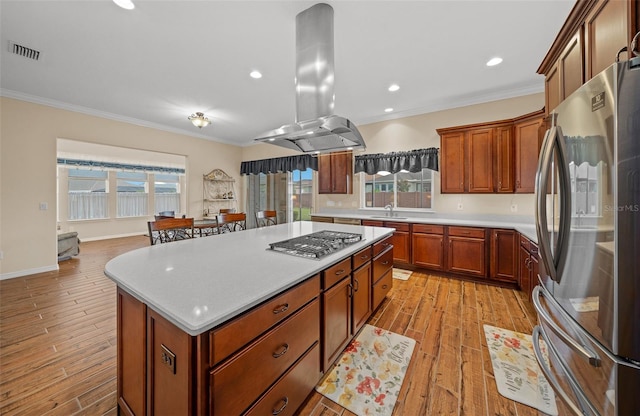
(401, 274)
(368, 377)
(516, 370)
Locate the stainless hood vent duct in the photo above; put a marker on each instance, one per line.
(316, 128)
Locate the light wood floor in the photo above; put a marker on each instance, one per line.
(58, 341)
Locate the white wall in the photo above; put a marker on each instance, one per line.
(28, 134)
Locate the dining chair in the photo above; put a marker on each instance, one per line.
(170, 229)
(228, 223)
(266, 218)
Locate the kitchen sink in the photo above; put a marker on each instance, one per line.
(388, 218)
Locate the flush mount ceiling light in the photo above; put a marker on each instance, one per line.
(388, 110)
(494, 61)
(255, 74)
(125, 4)
(394, 87)
(199, 120)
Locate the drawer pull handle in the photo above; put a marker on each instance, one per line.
(356, 285)
(384, 286)
(364, 257)
(283, 351)
(281, 308)
(339, 272)
(285, 401)
(384, 263)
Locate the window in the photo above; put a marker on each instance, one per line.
(401, 190)
(301, 194)
(88, 194)
(133, 194)
(167, 192)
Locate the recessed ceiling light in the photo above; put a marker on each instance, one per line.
(394, 87)
(388, 110)
(255, 74)
(125, 4)
(494, 61)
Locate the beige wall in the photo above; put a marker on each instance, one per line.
(28, 134)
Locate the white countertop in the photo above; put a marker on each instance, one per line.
(525, 226)
(201, 283)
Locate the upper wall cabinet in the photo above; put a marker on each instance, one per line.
(335, 173)
(588, 43)
(493, 157)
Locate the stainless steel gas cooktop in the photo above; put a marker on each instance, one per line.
(316, 245)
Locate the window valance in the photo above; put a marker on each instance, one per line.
(412, 161)
(279, 164)
(97, 164)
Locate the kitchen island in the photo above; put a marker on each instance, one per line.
(221, 325)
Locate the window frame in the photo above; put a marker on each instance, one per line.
(394, 185)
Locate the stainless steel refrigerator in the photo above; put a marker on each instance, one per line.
(588, 228)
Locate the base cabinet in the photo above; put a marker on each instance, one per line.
(467, 251)
(336, 318)
(528, 266)
(428, 246)
(503, 264)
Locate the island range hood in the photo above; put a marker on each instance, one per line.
(316, 128)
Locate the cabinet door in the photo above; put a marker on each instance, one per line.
(361, 296)
(525, 271)
(527, 147)
(480, 160)
(324, 174)
(467, 255)
(571, 66)
(452, 163)
(504, 160)
(606, 31)
(428, 251)
(552, 89)
(336, 311)
(504, 256)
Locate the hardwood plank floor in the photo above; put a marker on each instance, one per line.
(58, 341)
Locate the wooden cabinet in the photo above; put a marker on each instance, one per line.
(504, 160)
(428, 246)
(335, 173)
(480, 160)
(588, 42)
(452, 175)
(528, 140)
(401, 241)
(492, 157)
(503, 261)
(467, 251)
(362, 295)
(528, 266)
(382, 275)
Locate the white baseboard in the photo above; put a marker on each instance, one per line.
(108, 237)
(27, 272)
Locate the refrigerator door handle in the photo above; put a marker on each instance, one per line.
(590, 355)
(542, 179)
(584, 403)
(564, 177)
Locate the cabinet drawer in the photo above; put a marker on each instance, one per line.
(428, 229)
(399, 226)
(382, 264)
(381, 246)
(284, 398)
(533, 248)
(243, 379)
(335, 273)
(362, 257)
(467, 232)
(234, 335)
(381, 289)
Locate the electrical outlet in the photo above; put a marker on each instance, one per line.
(460, 206)
(514, 207)
(43, 206)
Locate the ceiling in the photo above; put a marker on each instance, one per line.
(164, 60)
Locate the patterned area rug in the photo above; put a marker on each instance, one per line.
(368, 377)
(401, 274)
(516, 370)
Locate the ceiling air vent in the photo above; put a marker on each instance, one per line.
(23, 51)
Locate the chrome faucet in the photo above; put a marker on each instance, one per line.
(580, 214)
(390, 208)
